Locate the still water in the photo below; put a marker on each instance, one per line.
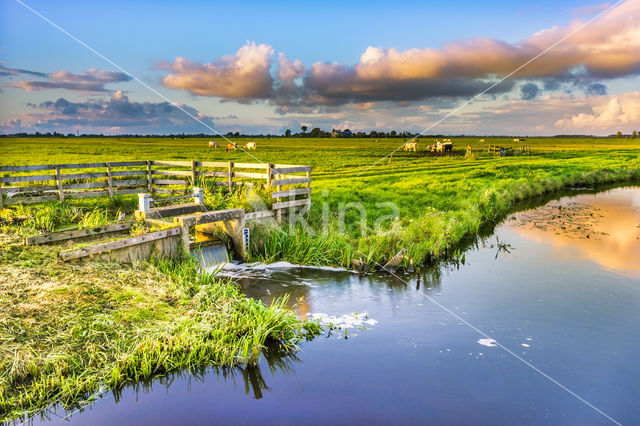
(540, 325)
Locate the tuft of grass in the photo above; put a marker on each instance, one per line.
(70, 330)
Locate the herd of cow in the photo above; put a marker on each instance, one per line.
(439, 146)
(232, 146)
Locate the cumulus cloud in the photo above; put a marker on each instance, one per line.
(607, 112)
(241, 77)
(608, 48)
(118, 114)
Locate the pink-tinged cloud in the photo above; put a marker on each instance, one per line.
(242, 77)
(616, 112)
(607, 48)
(91, 81)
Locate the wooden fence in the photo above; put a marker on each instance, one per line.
(35, 184)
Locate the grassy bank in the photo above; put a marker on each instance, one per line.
(68, 331)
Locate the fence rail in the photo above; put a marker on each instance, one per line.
(28, 184)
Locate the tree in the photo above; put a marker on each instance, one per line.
(634, 134)
(619, 134)
(288, 133)
(315, 132)
(304, 129)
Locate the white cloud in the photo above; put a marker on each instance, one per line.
(242, 77)
(607, 112)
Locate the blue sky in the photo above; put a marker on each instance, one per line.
(145, 38)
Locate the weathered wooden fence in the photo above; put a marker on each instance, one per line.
(28, 184)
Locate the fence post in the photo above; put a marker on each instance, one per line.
(59, 181)
(149, 177)
(268, 175)
(1, 200)
(230, 175)
(198, 195)
(193, 173)
(109, 180)
(279, 199)
(308, 207)
(143, 203)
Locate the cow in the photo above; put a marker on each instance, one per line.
(444, 147)
(213, 144)
(251, 145)
(518, 140)
(410, 146)
(231, 147)
(481, 140)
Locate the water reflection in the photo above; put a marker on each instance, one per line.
(604, 229)
(298, 285)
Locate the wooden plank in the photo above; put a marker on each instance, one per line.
(172, 163)
(165, 191)
(109, 180)
(230, 175)
(128, 163)
(114, 245)
(118, 173)
(291, 192)
(211, 164)
(27, 168)
(209, 217)
(80, 166)
(32, 178)
(249, 165)
(293, 169)
(117, 183)
(31, 200)
(83, 176)
(59, 182)
(280, 182)
(175, 210)
(149, 177)
(86, 185)
(250, 175)
(88, 194)
(172, 172)
(285, 204)
(127, 191)
(169, 182)
(216, 174)
(78, 233)
(258, 215)
(69, 166)
(20, 189)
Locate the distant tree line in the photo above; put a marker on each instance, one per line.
(316, 132)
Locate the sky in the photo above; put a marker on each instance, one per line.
(264, 67)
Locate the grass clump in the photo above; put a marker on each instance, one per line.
(69, 330)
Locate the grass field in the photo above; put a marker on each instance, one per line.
(440, 200)
(69, 330)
